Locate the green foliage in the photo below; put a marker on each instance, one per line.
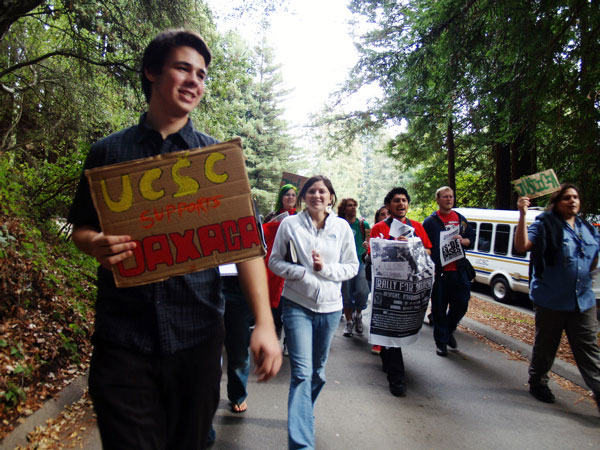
(13, 395)
(513, 102)
(68, 77)
(71, 347)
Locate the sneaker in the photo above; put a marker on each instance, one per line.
(358, 325)
(376, 349)
(441, 350)
(348, 328)
(397, 388)
(211, 438)
(452, 342)
(542, 393)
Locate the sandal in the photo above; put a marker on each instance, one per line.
(238, 408)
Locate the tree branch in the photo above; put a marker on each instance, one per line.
(68, 54)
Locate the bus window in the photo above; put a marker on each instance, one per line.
(514, 251)
(473, 225)
(501, 242)
(485, 237)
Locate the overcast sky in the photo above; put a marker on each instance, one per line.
(312, 42)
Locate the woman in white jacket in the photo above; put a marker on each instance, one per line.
(314, 252)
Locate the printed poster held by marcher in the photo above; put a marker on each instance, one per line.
(450, 248)
(402, 280)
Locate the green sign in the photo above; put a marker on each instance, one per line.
(538, 184)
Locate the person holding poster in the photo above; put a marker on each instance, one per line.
(355, 291)
(381, 214)
(564, 250)
(156, 365)
(284, 206)
(397, 201)
(314, 252)
(449, 233)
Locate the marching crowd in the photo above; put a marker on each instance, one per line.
(156, 365)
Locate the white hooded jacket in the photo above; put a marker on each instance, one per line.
(316, 291)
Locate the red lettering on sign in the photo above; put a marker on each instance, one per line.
(157, 251)
(184, 244)
(233, 241)
(211, 239)
(248, 233)
(202, 205)
(177, 248)
(138, 258)
(170, 210)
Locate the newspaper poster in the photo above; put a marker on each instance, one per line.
(398, 228)
(402, 281)
(450, 248)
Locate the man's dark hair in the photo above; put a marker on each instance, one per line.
(160, 47)
(396, 191)
(342, 206)
(557, 196)
(312, 180)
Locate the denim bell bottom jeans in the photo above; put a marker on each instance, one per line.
(308, 336)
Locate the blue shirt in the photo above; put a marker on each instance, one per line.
(567, 285)
(162, 317)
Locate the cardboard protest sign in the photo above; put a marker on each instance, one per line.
(538, 184)
(291, 178)
(450, 248)
(187, 211)
(402, 282)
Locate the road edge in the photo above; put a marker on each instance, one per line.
(560, 367)
(49, 410)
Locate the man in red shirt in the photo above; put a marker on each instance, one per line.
(452, 286)
(397, 202)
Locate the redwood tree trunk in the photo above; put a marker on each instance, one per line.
(503, 177)
(451, 157)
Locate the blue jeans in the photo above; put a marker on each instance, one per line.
(355, 291)
(449, 303)
(238, 320)
(308, 336)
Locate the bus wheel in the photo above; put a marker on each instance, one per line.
(500, 290)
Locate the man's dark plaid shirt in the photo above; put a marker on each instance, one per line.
(161, 317)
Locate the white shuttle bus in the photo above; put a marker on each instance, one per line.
(493, 255)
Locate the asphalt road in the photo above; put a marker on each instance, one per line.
(476, 398)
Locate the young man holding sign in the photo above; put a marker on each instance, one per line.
(452, 287)
(156, 365)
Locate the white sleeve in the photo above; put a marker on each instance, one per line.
(347, 267)
(277, 261)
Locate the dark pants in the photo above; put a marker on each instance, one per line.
(393, 363)
(155, 401)
(238, 320)
(449, 303)
(277, 318)
(581, 329)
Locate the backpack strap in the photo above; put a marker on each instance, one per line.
(361, 224)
